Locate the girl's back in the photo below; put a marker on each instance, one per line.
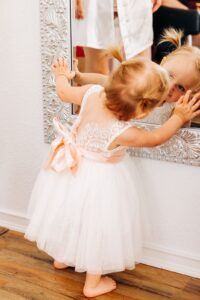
(97, 127)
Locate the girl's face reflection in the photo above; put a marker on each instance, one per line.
(183, 76)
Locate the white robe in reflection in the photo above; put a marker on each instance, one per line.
(97, 29)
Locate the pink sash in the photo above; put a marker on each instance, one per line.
(65, 154)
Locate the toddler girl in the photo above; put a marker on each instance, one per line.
(84, 208)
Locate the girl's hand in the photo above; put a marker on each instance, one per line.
(60, 68)
(79, 11)
(77, 76)
(188, 107)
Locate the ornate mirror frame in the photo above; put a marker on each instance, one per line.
(56, 40)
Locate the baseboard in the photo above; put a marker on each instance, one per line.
(12, 221)
(171, 259)
(153, 254)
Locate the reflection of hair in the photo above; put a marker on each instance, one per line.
(136, 85)
(174, 37)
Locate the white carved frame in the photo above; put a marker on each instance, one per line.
(56, 38)
(55, 16)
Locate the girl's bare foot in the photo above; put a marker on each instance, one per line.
(58, 265)
(105, 285)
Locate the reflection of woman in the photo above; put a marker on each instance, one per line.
(94, 29)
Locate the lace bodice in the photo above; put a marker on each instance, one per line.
(98, 138)
(90, 140)
(94, 136)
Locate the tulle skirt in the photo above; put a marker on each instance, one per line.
(90, 220)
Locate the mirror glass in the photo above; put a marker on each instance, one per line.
(98, 25)
(57, 23)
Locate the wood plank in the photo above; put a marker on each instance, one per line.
(38, 273)
(4, 295)
(33, 272)
(17, 243)
(145, 272)
(159, 291)
(67, 281)
(27, 290)
(3, 230)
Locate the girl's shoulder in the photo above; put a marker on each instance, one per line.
(94, 88)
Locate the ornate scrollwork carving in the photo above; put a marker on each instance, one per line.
(184, 147)
(55, 41)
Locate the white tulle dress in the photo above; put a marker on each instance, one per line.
(84, 209)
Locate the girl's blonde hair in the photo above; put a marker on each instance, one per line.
(174, 37)
(137, 85)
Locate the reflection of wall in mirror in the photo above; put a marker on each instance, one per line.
(160, 114)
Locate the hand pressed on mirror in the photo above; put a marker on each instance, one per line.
(60, 68)
(63, 76)
(188, 106)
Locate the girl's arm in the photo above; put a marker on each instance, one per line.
(88, 78)
(65, 91)
(185, 110)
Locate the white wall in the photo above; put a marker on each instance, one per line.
(22, 146)
(173, 202)
(173, 206)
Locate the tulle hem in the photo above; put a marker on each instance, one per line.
(128, 266)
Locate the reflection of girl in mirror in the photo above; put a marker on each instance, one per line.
(95, 26)
(183, 66)
(84, 209)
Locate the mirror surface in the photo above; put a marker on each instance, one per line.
(91, 36)
(56, 22)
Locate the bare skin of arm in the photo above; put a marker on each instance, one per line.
(65, 91)
(174, 4)
(88, 78)
(185, 110)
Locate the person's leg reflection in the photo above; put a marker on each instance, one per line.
(96, 61)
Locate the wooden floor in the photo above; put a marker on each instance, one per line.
(27, 273)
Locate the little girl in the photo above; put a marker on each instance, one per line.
(84, 209)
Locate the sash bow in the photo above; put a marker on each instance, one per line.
(64, 153)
